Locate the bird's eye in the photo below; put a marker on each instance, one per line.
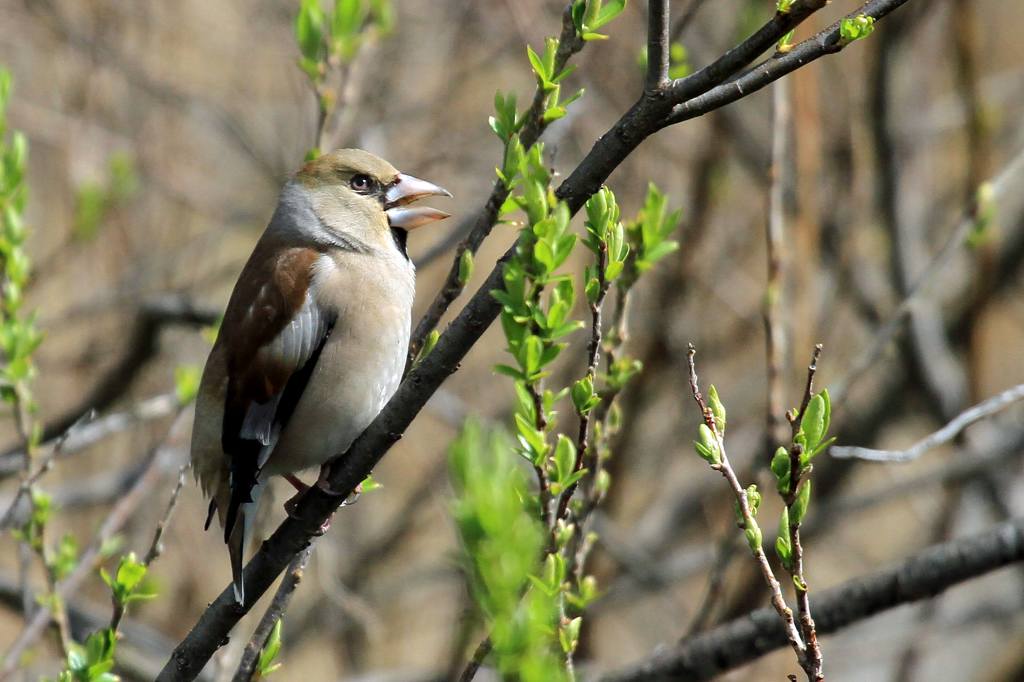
(361, 183)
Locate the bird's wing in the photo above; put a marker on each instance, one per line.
(273, 332)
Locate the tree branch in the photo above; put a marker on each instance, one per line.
(657, 45)
(951, 430)
(924, 575)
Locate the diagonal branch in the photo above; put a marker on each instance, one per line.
(984, 409)
(922, 576)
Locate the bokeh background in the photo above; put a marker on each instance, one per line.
(160, 133)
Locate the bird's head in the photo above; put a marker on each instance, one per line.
(363, 196)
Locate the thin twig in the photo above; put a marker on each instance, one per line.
(774, 328)
(947, 433)
(724, 468)
(275, 611)
(160, 460)
(46, 462)
(813, 662)
(155, 546)
(482, 649)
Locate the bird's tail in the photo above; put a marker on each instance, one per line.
(241, 535)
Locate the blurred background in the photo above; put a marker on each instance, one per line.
(160, 134)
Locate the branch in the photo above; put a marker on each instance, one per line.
(924, 575)
(274, 613)
(745, 53)
(749, 525)
(824, 43)
(643, 119)
(984, 409)
(657, 45)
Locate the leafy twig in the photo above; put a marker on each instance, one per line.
(719, 462)
(273, 614)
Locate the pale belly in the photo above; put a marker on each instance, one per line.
(356, 374)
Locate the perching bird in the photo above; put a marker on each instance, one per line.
(314, 339)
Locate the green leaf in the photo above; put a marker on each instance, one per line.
(607, 13)
(369, 484)
(707, 446)
(803, 498)
(812, 424)
(781, 468)
(565, 460)
(753, 535)
(186, 383)
(543, 77)
(465, 267)
(309, 29)
(717, 409)
(265, 665)
(855, 28)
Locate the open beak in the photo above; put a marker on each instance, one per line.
(405, 190)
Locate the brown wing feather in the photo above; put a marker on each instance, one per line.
(270, 294)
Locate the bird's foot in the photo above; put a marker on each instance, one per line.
(292, 504)
(325, 485)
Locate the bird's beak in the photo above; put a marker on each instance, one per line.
(405, 190)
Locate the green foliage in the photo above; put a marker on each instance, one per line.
(503, 540)
(678, 60)
(32, 531)
(717, 409)
(370, 484)
(783, 546)
(803, 498)
(549, 76)
(66, 557)
(266, 664)
(814, 427)
(590, 15)
(94, 201)
(92, 662)
(707, 446)
(649, 233)
(855, 28)
(186, 383)
(335, 37)
(465, 267)
(128, 584)
(428, 346)
(781, 469)
(507, 121)
(782, 6)
(983, 228)
(19, 336)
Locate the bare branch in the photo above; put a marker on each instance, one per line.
(657, 45)
(922, 576)
(984, 409)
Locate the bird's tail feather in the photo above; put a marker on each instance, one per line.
(240, 538)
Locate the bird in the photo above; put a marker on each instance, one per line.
(314, 338)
